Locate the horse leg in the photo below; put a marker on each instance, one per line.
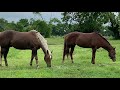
(67, 52)
(5, 55)
(71, 52)
(1, 60)
(93, 55)
(36, 58)
(64, 51)
(32, 57)
(63, 56)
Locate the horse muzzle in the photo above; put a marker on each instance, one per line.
(48, 65)
(114, 59)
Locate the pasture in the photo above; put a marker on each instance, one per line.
(18, 63)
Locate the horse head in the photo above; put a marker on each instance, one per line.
(112, 54)
(48, 58)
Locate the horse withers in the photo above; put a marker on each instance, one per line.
(86, 40)
(32, 40)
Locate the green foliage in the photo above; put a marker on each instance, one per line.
(42, 27)
(71, 21)
(24, 25)
(3, 23)
(93, 21)
(115, 25)
(58, 28)
(86, 21)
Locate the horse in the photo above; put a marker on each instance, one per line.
(31, 40)
(87, 40)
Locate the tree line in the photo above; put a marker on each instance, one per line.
(107, 23)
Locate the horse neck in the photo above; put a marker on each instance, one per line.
(43, 43)
(106, 45)
(44, 49)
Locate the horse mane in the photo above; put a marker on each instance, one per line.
(42, 40)
(102, 37)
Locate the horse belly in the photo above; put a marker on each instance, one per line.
(84, 44)
(20, 45)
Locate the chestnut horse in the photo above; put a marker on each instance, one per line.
(86, 40)
(32, 40)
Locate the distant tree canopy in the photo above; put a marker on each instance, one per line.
(27, 25)
(92, 21)
(107, 23)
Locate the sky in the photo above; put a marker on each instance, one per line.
(16, 16)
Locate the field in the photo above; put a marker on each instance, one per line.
(18, 61)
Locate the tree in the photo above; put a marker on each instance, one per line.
(57, 27)
(11, 26)
(42, 27)
(3, 24)
(85, 21)
(38, 13)
(114, 25)
(22, 24)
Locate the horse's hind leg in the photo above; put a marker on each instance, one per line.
(71, 52)
(36, 58)
(5, 55)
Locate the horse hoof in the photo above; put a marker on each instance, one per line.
(38, 67)
(93, 63)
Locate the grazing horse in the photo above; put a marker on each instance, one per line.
(86, 40)
(32, 40)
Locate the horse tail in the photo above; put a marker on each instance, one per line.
(66, 49)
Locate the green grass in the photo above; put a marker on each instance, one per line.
(19, 67)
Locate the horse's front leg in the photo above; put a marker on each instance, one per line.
(32, 57)
(93, 55)
(36, 58)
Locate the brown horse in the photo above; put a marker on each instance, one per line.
(32, 40)
(86, 40)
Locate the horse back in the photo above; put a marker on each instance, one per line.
(25, 40)
(86, 40)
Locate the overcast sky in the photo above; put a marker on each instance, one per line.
(16, 16)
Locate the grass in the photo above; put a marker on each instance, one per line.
(18, 61)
